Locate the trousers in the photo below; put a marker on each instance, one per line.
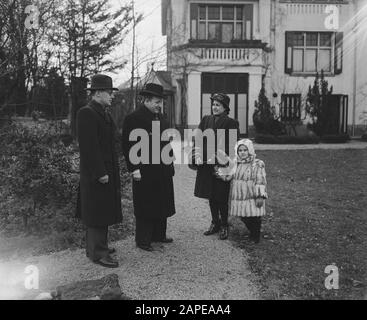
(219, 211)
(149, 230)
(96, 242)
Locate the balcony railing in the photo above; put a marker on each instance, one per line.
(246, 52)
(225, 54)
(230, 55)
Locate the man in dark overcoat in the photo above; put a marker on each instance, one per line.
(99, 200)
(153, 193)
(207, 184)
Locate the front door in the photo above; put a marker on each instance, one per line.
(337, 112)
(235, 85)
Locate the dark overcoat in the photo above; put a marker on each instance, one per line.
(153, 195)
(99, 205)
(207, 185)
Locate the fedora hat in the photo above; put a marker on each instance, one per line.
(222, 98)
(101, 82)
(152, 89)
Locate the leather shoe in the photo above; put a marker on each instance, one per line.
(212, 229)
(223, 234)
(165, 240)
(110, 251)
(145, 247)
(108, 262)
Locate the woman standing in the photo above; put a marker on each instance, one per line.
(208, 185)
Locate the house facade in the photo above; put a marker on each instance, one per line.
(237, 47)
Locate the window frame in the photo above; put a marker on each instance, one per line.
(290, 48)
(196, 35)
(293, 114)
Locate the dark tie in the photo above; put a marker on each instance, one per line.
(156, 116)
(107, 114)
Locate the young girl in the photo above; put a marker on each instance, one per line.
(248, 188)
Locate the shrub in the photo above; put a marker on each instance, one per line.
(38, 184)
(335, 138)
(264, 119)
(319, 105)
(284, 139)
(364, 137)
(37, 170)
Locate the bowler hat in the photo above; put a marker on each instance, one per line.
(222, 98)
(101, 82)
(152, 89)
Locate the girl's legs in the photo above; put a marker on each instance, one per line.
(247, 222)
(256, 229)
(253, 224)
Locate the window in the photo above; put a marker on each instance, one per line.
(221, 23)
(290, 109)
(311, 52)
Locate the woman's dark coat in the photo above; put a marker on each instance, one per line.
(99, 205)
(153, 195)
(207, 185)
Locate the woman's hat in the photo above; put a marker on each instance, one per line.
(101, 82)
(222, 98)
(152, 89)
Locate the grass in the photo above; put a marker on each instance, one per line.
(317, 216)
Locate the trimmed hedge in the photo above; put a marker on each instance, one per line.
(284, 139)
(335, 138)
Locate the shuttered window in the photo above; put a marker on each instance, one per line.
(290, 109)
(221, 23)
(311, 52)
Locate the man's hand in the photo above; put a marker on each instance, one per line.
(259, 202)
(136, 175)
(103, 179)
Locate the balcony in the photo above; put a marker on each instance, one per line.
(226, 54)
(243, 53)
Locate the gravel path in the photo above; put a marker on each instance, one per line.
(192, 267)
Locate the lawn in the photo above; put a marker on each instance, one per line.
(317, 216)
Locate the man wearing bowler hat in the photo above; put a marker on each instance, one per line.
(99, 198)
(153, 194)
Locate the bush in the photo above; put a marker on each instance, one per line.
(364, 137)
(335, 138)
(264, 118)
(318, 105)
(38, 171)
(38, 188)
(284, 139)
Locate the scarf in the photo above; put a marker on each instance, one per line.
(251, 151)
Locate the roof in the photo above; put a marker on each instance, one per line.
(162, 78)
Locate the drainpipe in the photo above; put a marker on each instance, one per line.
(354, 66)
(272, 54)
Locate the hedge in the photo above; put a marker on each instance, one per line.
(335, 138)
(284, 139)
